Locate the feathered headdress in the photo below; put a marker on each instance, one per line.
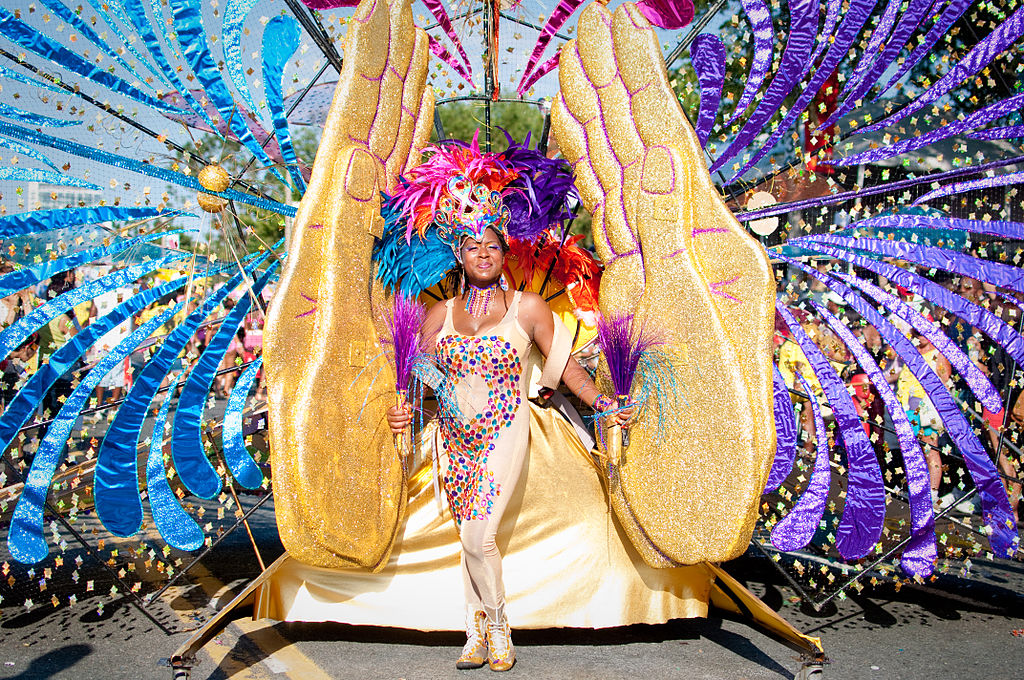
(460, 191)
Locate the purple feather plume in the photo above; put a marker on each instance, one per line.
(538, 197)
(405, 340)
(623, 342)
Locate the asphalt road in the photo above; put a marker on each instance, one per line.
(950, 628)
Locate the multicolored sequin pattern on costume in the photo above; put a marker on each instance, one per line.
(469, 485)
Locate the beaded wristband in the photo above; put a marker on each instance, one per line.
(603, 404)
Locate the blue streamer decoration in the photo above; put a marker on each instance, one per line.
(137, 13)
(76, 22)
(174, 524)
(107, 10)
(785, 433)
(29, 276)
(14, 75)
(187, 442)
(708, 58)
(18, 147)
(24, 35)
(14, 113)
(25, 538)
(187, 181)
(187, 16)
(17, 332)
(46, 176)
(35, 221)
(235, 13)
(28, 398)
(280, 40)
(120, 507)
(242, 466)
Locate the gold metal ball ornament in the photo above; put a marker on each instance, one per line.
(211, 203)
(213, 178)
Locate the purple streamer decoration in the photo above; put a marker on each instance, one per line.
(1008, 132)
(954, 10)
(861, 524)
(831, 21)
(785, 433)
(1013, 230)
(444, 55)
(919, 556)
(803, 25)
(972, 184)
(436, 7)
(708, 58)
(1004, 275)
(760, 18)
(979, 383)
(539, 73)
(996, 511)
(979, 317)
(871, 68)
(797, 528)
(951, 129)
(990, 47)
(849, 30)
(557, 19)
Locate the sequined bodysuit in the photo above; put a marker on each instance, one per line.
(485, 451)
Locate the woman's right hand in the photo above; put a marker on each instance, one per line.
(399, 418)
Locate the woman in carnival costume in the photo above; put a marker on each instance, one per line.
(456, 211)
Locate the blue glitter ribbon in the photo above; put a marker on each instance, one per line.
(119, 507)
(187, 181)
(25, 538)
(17, 332)
(46, 176)
(34, 221)
(188, 29)
(29, 38)
(29, 276)
(108, 11)
(137, 13)
(187, 441)
(235, 13)
(174, 524)
(18, 147)
(280, 40)
(14, 75)
(242, 466)
(14, 113)
(28, 398)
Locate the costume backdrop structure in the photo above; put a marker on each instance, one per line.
(361, 532)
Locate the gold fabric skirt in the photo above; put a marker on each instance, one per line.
(566, 561)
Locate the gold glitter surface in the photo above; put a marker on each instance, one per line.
(338, 483)
(677, 258)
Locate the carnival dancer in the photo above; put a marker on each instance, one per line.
(482, 338)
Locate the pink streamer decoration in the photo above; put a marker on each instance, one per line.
(670, 14)
(557, 19)
(441, 53)
(329, 4)
(436, 7)
(539, 73)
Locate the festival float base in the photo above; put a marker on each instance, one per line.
(567, 564)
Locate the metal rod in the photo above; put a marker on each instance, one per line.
(316, 31)
(516, 20)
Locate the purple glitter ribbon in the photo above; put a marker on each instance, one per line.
(979, 383)
(995, 273)
(1012, 230)
(849, 31)
(996, 511)
(760, 18)
(803, 25)
(919, 556)
(971, 185)
(974, 315)
(861, 524)
(954, 10)
(950, 129)
(1007, 132)
(785, 433)
(990, 47)
(797, 528)
(708, 58)
(557, 19)
(831, 21)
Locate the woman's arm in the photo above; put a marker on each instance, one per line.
(399, 417)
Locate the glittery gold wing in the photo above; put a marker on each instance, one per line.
(676, 257)
(339, 487)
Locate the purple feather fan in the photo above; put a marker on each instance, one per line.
(405, 340)
(623, 342)
(538, 197)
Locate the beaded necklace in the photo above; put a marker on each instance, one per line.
(478, 301)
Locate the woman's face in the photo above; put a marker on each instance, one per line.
(482, 259)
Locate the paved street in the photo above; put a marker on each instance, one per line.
(952, 628)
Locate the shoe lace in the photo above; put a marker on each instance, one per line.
(498, 639)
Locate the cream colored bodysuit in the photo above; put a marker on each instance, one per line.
(486, 448)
